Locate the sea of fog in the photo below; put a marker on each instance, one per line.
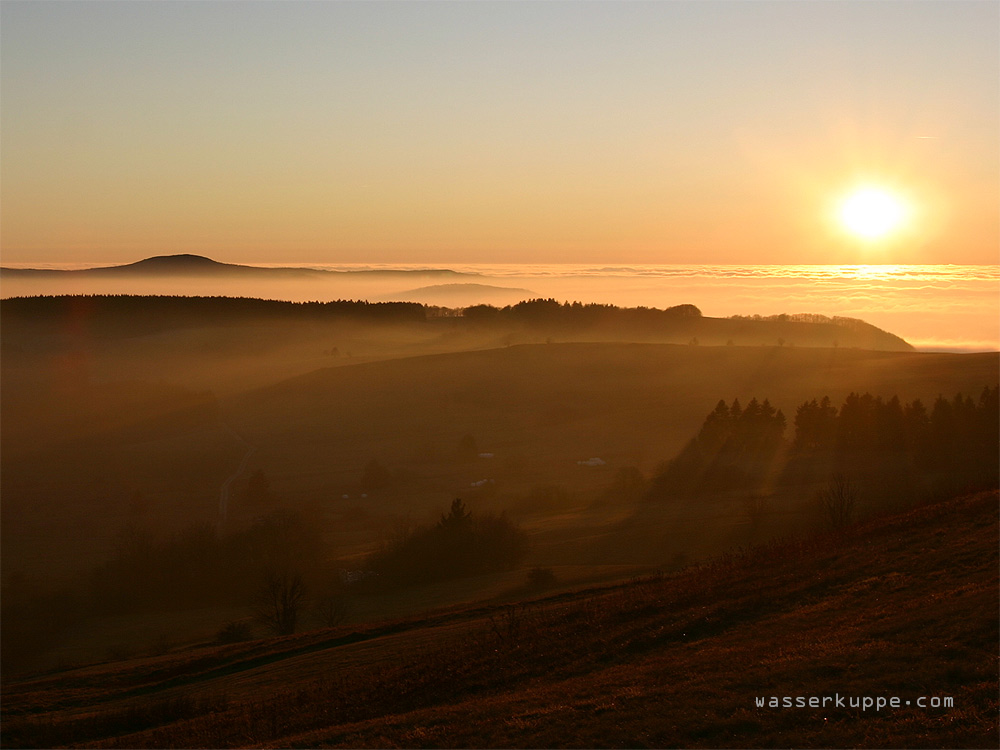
(941, 307)
(933, 307)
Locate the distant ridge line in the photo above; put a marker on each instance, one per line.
(190, 264)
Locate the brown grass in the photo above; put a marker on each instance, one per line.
(899, 606)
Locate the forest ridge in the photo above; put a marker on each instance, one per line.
(684, 323)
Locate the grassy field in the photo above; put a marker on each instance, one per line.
(900, 606)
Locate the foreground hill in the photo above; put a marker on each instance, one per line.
(902, 607)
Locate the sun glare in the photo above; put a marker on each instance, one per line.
(872, 213)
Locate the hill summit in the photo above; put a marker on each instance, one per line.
(178, 262)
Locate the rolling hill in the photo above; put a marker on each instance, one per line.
(153, 413)
(128, 412)
(575, 400)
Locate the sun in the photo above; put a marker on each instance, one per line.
(872, 213)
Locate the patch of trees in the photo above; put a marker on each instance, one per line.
(736, 448)
(550, 313)
(889, 446)
(852, 324)
(130, 314)
(865, 334)
(951, 446)
(462, 543)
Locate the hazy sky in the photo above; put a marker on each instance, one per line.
(657, 132)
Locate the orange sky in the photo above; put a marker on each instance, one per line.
(671, 132)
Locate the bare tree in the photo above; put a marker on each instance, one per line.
(332, 609)
(279, 601)
(839, 500)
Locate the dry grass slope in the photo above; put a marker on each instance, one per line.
(901, 606)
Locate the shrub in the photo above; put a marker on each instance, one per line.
(838, 500)
(460, 544)
(279, 600)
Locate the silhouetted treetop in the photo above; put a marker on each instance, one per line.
(578, 314)
(459, 544)
(163, 312)
(735, 448)
(456, 517)
(956, 445)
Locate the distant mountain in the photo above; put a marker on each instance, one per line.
(461, 295)
(188, 265)
(184, 263)
(164, 265)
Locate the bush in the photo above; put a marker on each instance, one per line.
(838, 500)
(460, 544)
(279, 600)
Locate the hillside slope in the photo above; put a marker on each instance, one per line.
(565, 402)
(902, 606)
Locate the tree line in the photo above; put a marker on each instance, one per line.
(549, 312)
(896, 446)
(166, 311)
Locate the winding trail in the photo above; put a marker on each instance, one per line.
(227, 485)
